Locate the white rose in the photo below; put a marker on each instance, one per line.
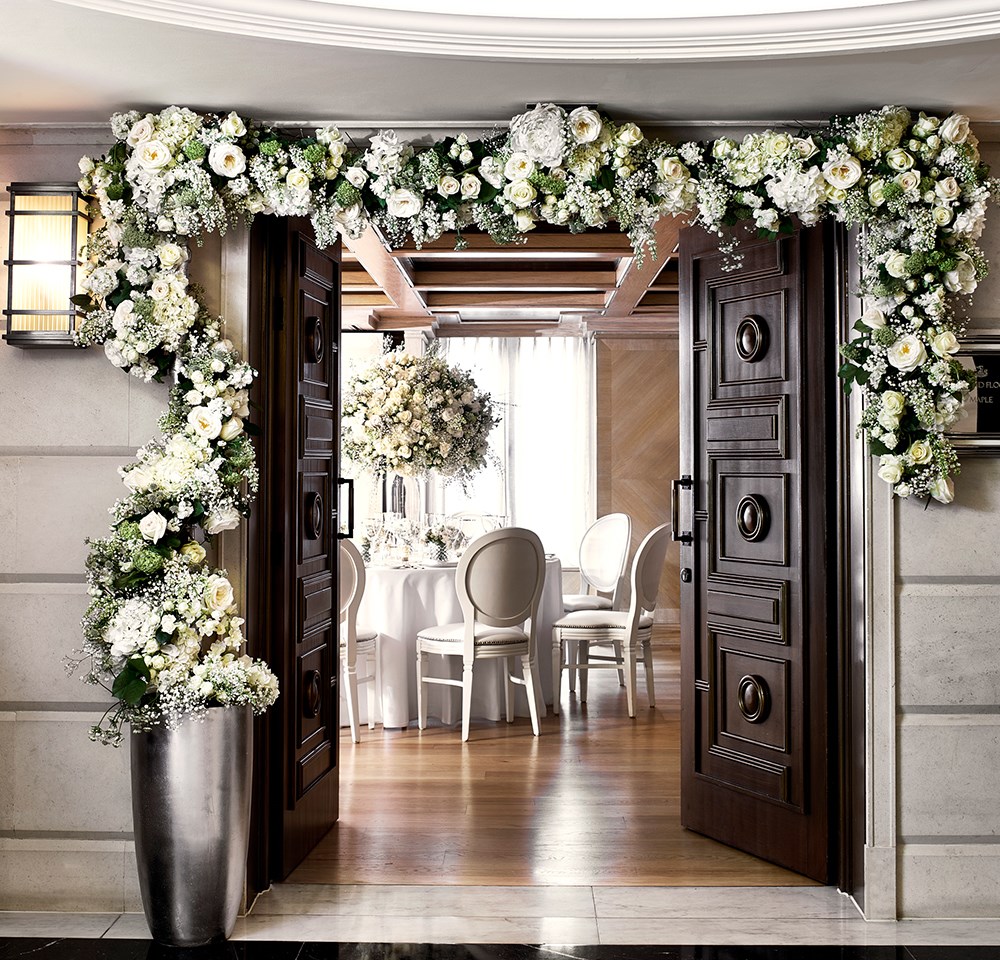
(226, 519)
(945, 344)
(403, 203)
(470, 187)
(218, 593)
(159, 289)
(955, 130)
(520, 193)
(152, 155)
(672, 170)
(779, 145)
(204, 422)
(963, 278)
(153, 526)
(876, 192)
(356, 176)
(297, 179)
(231, 429)
(907, 353)
(942, 489)
(226, 159)
(948, 188)
(141, 131)
(585, 124)
(873, 318)
(629, 135)
(942, 216)
(920, 452)
(895, 266)
(722, 147)
(890, 469)
(899, 159)
(138, 478)
(170, 255)
(524, 221)
(448, 185)
(805, 147)
(909, 180)
(466, 157)
(519, 167)
(893, 402)
(233, 126)
(843, 173)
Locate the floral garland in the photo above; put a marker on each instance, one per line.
(916, 186)
(412, 415)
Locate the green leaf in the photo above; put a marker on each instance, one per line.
(131, 683)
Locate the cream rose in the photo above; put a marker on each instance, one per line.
(153, 526)
(895, 265)
(218, 593)
(153, 155)
(141, 131)
(873, 318)
(943, 490)
(920, 452)
(805, 147)
(470, 187)
(945, 344)
(233, 126)
(942, 216)
(629, 135)
(524, 221)
(138, 478)
(171, 255)
(160, 288)
(907, 353)
(843, 173)
(231, 429)
(672, 170)
(297, 179)
(356, 176)
(948, 188)
(963, 278)
(204, 422)
(876, 193)
(519, 167)
(585, 124)
(909, 180)
(898, 159)
(226, 159)
(955, 129)
(403, 203)
(890, 469)
(227, 518)
(520, 193)
(893, 402)
(448, 185)
(193, 552)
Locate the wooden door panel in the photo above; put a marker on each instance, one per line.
(754, 612)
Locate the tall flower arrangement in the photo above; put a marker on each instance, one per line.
(413, 415)
(916, 186)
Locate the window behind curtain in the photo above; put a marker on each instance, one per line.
(544, 444)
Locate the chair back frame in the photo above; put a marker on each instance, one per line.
(499, 582)
(352, 589)
(609, 538)
(647, 569)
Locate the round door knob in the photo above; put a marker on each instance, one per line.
(752, 518)
(313, 516)
(753, 698)
(312, 699)
(314, 339)
(751, 339)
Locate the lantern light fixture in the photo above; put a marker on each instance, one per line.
(48, 242)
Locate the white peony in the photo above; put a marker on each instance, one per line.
(907, 353)
(204, 422)
(585, 124)
(403, 203)
(541, 134)
(227, 159)
(843, 173)
(153, 155)
(153, 526)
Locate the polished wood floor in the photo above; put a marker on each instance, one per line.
(594, 800)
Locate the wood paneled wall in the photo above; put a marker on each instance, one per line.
(637, 441)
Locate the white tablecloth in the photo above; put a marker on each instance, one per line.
(399, 603)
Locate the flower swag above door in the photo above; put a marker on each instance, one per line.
(916, 186)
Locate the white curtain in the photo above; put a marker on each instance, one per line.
(544, 445)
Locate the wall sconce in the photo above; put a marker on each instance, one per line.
(48, 240)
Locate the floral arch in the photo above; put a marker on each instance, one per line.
(162, 627)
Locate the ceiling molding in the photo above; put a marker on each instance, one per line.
(910, 24)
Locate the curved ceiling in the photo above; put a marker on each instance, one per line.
(763, 28)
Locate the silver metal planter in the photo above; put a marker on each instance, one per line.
(191, 815)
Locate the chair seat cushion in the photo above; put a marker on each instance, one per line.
(366, 639)
(484, 634)
(586, 601)
(601, 620)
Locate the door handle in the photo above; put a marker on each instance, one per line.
(685, 483)
(350, 508)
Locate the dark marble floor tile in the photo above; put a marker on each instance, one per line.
(51, 948)
(955, 953)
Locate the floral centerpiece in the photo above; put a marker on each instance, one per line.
(444, 540)
(412, 415)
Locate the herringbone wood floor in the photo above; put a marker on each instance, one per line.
(593, 801)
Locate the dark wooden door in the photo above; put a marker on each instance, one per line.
(755, 507)
(295, 306)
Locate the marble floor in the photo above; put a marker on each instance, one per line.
(639, 922)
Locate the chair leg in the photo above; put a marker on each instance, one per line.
(377, 681)
(421, 693)
(508, 688)
(557, 668)
(583, 658)
(466, 699)
(647, 659)
(529, 686)
(352, 700)
(370, 664)
(630, 677)
(572, 670)
(618, 654)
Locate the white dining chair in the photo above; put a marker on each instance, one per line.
(356, 642)
(632, 629)
(499, 582)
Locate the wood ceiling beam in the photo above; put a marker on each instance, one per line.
(513, 298)
(634, 281)
(597, 245)
(425, 279)
(390, 274)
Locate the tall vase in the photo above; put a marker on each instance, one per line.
(191, 815)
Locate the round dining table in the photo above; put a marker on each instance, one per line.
(399, 602)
